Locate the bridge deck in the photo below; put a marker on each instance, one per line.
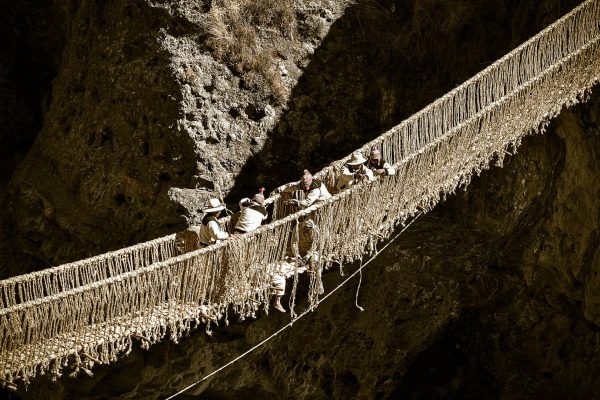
(115, 334)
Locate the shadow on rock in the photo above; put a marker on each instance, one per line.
(381, 62)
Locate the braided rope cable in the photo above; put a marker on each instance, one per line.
(297, 317)
(438, 149)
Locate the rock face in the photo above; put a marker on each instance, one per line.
(381, 62)
(105, 145)
(462, 305)
(139, 105)
(32, 44)
(493, 295)
(147, 98)
(537, 338)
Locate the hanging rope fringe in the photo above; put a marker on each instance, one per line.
(291, 323)
(98, 306)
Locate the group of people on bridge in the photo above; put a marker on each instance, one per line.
(302, 194)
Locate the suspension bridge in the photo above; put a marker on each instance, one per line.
(68, 318)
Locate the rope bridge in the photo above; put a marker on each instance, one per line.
(88, 312)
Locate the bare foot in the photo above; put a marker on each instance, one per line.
(277, 305)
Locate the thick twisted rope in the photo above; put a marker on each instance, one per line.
(297, 317)
(436, 151)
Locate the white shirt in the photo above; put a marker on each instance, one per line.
(251, 216)
(347, 177)
(211, 232)
(317, 192)
(373, 165)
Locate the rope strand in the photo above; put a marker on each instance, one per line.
(291, 323)
(49, 318)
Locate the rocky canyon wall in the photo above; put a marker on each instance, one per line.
(158, 97)
(493, 295)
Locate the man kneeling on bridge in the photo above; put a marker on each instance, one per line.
(354, 171)
(376, 164)
(311, 189)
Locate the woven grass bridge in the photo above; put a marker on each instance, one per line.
(76, 315)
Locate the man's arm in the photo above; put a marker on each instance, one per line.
(389, 170)
(311, 197)
(345, 178)
(324, 193)
(216, 232)
(291, 187)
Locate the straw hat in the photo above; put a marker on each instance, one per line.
(213, 205)
(357, 159)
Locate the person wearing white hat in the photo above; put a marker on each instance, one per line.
(252, 214)
(354, 171)
(378, 165)
(210, 230)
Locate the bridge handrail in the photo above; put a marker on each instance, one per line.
(49, 281)
(432, 163)
(558, 39)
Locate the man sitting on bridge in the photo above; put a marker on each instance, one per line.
(252, 214)
(311, 189)
(304, 243)
(376, 164)
(354, 171)
(210, 231)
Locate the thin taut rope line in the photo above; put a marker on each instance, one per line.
(288, 325)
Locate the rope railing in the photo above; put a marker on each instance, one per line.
(520, 65)
(436, 150)
(64, 277)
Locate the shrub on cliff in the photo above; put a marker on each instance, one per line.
(236, 29)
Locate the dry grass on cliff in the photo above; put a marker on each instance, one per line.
(235, 29)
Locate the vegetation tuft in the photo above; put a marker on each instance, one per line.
(235, 29)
